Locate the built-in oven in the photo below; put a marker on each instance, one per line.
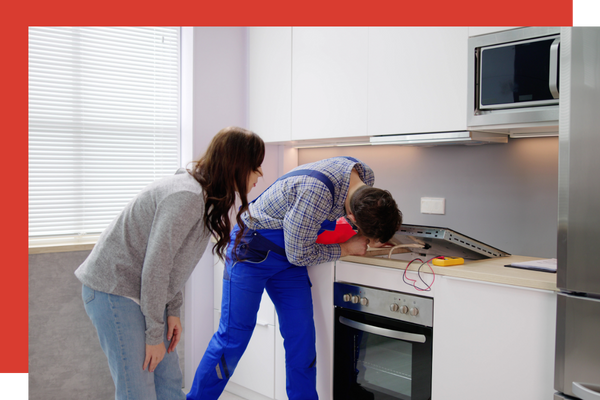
(383, 344)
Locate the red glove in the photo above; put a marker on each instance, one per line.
(343, 231)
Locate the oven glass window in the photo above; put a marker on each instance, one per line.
(372, 363)
(384, 366)
(515, 73)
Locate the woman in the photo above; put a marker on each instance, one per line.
(134, 276)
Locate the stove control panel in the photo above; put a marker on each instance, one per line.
(385, 303)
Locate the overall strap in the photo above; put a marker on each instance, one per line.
(314, 174)
(310, 172)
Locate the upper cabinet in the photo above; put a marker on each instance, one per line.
(482, 30)
(270, 82)
(329, 82)
(417, 80)
(312, 83)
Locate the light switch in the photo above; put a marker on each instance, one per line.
(433, 205)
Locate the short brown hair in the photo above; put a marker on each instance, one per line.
(376, 213)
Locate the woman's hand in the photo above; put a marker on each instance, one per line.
(154, 355)
(174, 333)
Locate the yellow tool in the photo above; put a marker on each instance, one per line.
(448, 261)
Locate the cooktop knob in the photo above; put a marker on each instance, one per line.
(355, 299)
(403, 309)
(414, 311)
(394, 307)
(364, 301)
(347, 298)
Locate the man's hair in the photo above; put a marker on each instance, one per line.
(376, 213)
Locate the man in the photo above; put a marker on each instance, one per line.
(278, 243)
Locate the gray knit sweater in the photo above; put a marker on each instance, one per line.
(149, 251)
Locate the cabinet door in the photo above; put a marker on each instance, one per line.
(417, 80)
(329, 82)
(266, 312)
(491, 341)
(270, 82)
(256, 369)
(482, 30)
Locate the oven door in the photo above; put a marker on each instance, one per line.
(379, 358)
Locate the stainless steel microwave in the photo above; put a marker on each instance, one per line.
(514, 84)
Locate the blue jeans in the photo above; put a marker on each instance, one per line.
(121, 329)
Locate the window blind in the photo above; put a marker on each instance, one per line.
(103, 122)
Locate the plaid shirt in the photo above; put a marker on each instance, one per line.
(299, 205)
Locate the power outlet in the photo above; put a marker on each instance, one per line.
(433, 205)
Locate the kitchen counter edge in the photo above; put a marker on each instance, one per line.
(486, 270)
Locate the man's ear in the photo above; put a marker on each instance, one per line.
(350, 216)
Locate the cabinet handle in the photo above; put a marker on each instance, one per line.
(409, 337)
(586, 391)
(553, 75)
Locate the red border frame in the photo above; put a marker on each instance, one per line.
(18, 16)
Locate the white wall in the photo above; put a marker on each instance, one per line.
(214, 95)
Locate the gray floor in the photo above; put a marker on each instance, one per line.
(229, 396)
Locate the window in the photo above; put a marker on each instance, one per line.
(103, 122)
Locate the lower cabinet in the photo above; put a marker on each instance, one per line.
(260, 374)
(492, 341)
(255, 377)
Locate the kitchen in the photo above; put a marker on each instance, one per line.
(503, 194)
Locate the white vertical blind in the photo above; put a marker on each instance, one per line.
(103, 122)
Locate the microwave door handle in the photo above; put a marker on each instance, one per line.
(586, 391)
(409, 337)
(553, 78)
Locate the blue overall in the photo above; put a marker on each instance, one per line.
(263, 265)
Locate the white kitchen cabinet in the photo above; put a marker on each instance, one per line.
(256, 369)
(270, 82)
(492, 341)
(417, 79)
(329, 82)
(308, 83)
(254, 377)
(322, 277)
(260, 374)
(482, 30)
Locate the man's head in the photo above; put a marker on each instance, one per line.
(375, 212)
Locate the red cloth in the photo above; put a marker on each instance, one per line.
(343, 231)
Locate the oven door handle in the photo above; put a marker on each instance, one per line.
(410, 337)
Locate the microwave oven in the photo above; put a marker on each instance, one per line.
(514, 83)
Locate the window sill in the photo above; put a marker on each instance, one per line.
(60, 248)
(57, 244)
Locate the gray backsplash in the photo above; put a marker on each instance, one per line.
(505, 195)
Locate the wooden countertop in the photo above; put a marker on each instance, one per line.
(488, 270)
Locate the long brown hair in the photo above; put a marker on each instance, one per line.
(232, 155)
